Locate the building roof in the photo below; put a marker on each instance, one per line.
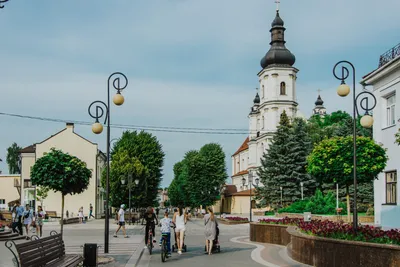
(245, 193)
(243, 147)
(230, 189)
(28, 149)
(241, 173)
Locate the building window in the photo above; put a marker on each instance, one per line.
(391, 187)
(391, 110)
(262, 92)
(283, 88)
(2, 201)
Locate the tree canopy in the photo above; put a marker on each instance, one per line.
(284, 164)
(138, 154)
(198, 177)
(61, 172)
(13, 158)
(332, 160)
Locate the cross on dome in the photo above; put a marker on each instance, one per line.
(319, 91)
(277, 4)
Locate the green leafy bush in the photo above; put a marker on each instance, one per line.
(317, 204)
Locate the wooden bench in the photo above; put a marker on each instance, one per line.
(73, 220)
(48, 251)
(51, 214)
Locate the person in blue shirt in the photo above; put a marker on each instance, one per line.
(166, 224)
(20, 212)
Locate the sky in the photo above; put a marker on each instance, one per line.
(190, 63)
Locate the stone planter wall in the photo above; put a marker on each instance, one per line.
(269, 233)
(222, 221)
(327, 252)
(334, 218)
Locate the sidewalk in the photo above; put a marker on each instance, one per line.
(123, 250)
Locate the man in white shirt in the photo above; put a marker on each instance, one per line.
(121, 221)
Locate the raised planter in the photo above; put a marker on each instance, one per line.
(334, 218)
(229, 222)
(72, 220)
(269, 233)
(329, 252)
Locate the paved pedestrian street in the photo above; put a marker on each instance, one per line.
(236, 250)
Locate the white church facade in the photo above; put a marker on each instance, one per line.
(277, 93)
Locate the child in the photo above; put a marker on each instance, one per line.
(165, 224)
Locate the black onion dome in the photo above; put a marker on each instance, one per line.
(277, 21)
(278, 54)
(256, 99)
(319, 101)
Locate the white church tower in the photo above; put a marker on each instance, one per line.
(277, 93)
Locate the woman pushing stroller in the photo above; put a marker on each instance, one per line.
(180, 220)
(211, 229)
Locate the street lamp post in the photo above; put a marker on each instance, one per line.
(114, 80)
(281, 196)
(366, 121)
(250, 182)
(301, 185)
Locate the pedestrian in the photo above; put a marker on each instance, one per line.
(39, 221)
(210, 222)
(20, 213)
(165, 224)
(180, 220)
(157, 211)
(27, 219)
(14, 222)
(91, 211)
(121, 221)
(80, 215)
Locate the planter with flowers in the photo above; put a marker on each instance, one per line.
(234, 220)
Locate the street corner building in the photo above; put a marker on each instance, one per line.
(385, 81)
(69, 142)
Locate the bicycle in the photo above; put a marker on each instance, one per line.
(164, 248)
(150, 241)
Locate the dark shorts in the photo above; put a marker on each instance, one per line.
(121, 223)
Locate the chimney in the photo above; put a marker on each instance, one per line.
(70, 125)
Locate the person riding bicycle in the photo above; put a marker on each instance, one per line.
(151, 221)
(166, 224)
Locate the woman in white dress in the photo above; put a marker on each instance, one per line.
(80, 215)
(180, 220)
(28, 214)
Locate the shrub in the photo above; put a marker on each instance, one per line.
(317, 204)
(365, 233)
(268, 213)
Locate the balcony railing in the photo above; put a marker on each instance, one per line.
(389, 55)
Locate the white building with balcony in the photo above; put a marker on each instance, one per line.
(386, 88)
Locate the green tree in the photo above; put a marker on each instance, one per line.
(13, 158)
(142, 147)
(177, 191)
(331, 161)
(277, 167)
(42, 193)
(300, 148)
(123, 167)
(61, 172)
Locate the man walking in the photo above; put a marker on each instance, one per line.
(91, 211)
(121, 221)
(20, 213)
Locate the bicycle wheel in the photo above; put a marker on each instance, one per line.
(163, 250)
(150, 245)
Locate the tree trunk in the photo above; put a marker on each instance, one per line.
(348, 204)
(62, 214)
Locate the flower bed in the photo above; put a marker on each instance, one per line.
(237, 219)
(340, 231)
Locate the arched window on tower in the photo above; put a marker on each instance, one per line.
(283, 88)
